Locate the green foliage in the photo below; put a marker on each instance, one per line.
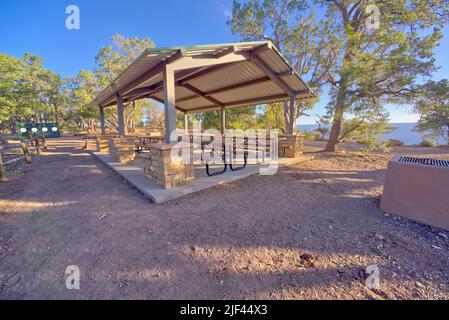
(113, 59)
(80, 91)
(272, 117)
(427, 142)
(366, 129)
(28, 91)
(311, 135)
(296, 32)
(383, 65)
(323, 123)
(337, 50)
(236, 118)
(433, 107)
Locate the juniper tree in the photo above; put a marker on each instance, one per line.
(340, 43)
(433, 107)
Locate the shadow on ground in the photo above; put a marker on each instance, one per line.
(308, 232)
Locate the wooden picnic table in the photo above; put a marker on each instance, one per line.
(144, 142)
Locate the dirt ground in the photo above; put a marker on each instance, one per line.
(308, 232)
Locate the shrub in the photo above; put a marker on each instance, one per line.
(395, 143)
(427, 143)
(310, 135)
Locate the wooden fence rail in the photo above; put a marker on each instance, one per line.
(22, 150)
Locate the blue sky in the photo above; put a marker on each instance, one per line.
(38, 27)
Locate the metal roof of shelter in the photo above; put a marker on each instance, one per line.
(209, 77)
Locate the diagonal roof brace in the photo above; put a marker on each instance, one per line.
(202, 94)
(272, 75)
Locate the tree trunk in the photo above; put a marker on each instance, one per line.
(128, 117)
(289, 118)
(13, 125)
(332, 143)
(447, 134)
(56, 114)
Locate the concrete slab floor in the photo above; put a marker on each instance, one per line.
(132, 172)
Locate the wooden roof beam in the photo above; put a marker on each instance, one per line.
(202, 94)
(204, 72)
(198, 62)
(158, 68)
(265, 68)
(162, 101)
(225, 52)
(229, 88)
(253, 101)
(238, 85)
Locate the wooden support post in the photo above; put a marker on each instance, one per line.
(186, 122)
(44, 140)
(291, 128)
(30, 137)
(102, 123)
(120, 116)
(169, 102)
(26, 152)
(2, 170)
(37, 144)
(222, 120)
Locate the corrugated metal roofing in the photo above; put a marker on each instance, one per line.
(230, 84)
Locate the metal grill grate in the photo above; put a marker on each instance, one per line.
(425, 161)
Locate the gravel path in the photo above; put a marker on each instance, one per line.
(308, 232)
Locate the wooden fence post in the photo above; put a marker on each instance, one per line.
(2, 170)
(30, 136)
(38, 147)
(26, 152)
(44, 140)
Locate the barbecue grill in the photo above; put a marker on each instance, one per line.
(418, 189)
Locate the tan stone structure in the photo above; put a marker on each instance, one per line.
(417, 191)
(103, 143)
(123, 149)
(192, 79)
(290, 145)
(159, 167)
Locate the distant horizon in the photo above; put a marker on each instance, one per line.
(314, 124)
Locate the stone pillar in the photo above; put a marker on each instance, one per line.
(123, 149)
(290, 145)
(159, 167)
(103, 143)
